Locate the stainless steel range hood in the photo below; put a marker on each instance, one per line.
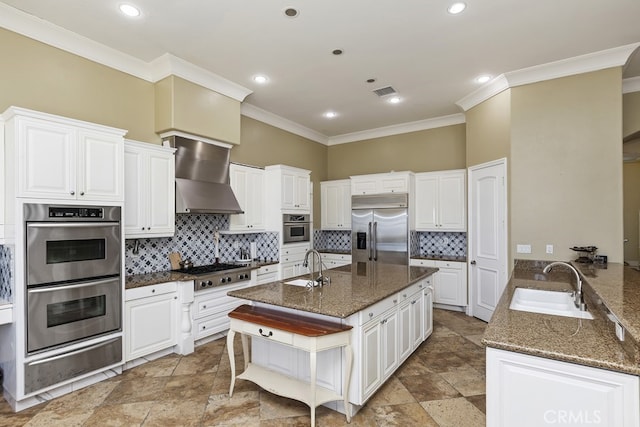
(202, 177)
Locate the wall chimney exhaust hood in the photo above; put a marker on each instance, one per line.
(202, 175)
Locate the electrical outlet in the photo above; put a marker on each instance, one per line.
(549, 249)
(523, 249)
(235, 244)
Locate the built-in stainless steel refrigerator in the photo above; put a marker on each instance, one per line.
(380, 228)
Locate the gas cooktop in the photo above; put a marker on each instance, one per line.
(211, 268)
(217, 274)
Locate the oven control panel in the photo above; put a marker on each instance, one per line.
(74, 212)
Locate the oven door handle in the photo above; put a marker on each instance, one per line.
(62, 288)
(71, 224)
(78, 351)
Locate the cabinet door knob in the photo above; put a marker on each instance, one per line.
(82, 193)
(473, 262)
(72, 192)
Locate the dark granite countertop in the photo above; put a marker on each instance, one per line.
(441, 257)
(139, 280)
(586, 342)
(352, 289)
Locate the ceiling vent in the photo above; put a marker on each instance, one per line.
(384, 91)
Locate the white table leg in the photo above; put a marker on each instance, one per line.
(232, 360)
(348, 356)
(313, 374)
(245, 350)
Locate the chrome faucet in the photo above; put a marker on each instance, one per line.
(320, 280)
(578, 300)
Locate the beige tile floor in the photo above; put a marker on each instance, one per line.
(441, 384)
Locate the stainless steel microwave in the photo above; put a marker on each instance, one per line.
(296, 228)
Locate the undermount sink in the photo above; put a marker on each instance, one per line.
(297, 282)
(547, 302)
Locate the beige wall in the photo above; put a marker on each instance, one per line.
(188, 107)
(631, 210)
(630, 113)
(489, 130)
(264, 145)
(566, 172)
(422, 151)
(39, 77)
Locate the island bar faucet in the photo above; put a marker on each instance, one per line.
(578, 300)
(320, 280)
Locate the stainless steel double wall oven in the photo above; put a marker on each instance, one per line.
(74, 288)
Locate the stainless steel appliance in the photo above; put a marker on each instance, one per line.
(73, 264)
(296, 228)
(218, 274)
(379, 228)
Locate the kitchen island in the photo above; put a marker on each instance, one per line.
(389, 310)
(547, 369)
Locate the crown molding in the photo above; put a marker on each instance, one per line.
(168, 64)
(615, 57)
(43, 31)
(631, 84)
(490, 89)
(280, 122)
(436, 122)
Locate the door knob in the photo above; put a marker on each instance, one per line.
(473, 262)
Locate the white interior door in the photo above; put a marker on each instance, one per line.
(487, 237)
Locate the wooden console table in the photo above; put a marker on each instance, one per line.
(305, 333)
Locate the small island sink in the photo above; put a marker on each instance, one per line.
(297, 282)
(547, 302)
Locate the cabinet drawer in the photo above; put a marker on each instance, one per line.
(266, 269)
(423, 263)
(409, 291)
(449, 264)
(290, 250)
(377, 309)
(151, 290)
(267, 333)
(211, 325)
(267, 278)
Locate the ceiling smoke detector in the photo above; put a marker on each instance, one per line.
(384, 91)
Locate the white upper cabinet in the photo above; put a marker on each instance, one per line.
(248, 186)
(440, 201)
(335, 200)
(381, 183)
(67, 159)
(291, 186)
(149, 190)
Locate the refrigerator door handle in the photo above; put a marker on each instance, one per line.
(370, 243)
(375, 241)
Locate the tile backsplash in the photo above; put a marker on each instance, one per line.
(194, 239)
(6, 273)
(442, 243)
(332, 240)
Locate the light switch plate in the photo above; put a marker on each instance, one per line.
(523, 249)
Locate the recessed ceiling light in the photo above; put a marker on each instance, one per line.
(483, 79)
(371, 80)
(456, 8)
(291, 12)
(330, 114)
(337, 51)
(260, 79)
(394, 100)
(129, 10)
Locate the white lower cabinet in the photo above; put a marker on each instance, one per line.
(525, 391)
(331, 260)
(151, 319)
(291, 260)
(427, 327)
(449, 283)
(266, 274)
(211, 308)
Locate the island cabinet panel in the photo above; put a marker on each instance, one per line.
(526, 390)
